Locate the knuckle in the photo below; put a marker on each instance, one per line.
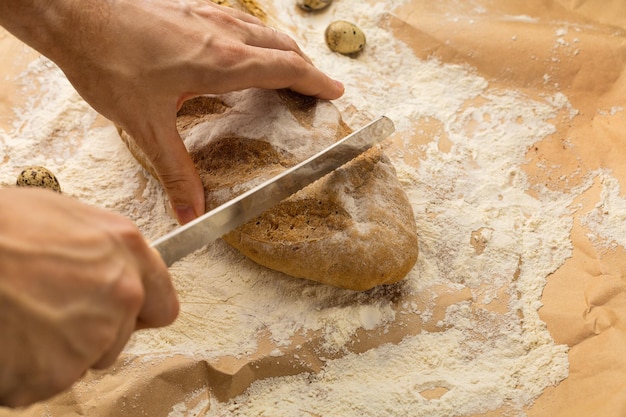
(225, 19)
(152, 153)
(127, 291)
(295, 60)
(289, 42)
(295, 63)
(128, 234)
(229, 56)
(172, 179)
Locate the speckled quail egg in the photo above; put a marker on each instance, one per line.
(37, 176)
(344, 37)
(313, 5)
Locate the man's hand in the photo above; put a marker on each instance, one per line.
(136, 61)
(75, 282)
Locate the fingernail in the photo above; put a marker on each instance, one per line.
(185, 214)
(340, 85)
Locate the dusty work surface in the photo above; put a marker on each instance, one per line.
(511, 143)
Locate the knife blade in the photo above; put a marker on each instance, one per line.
(243, 208)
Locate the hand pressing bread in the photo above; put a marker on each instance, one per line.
(353, 228)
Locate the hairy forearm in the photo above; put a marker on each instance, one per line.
(53, 27)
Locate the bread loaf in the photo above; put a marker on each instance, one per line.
(353, 229)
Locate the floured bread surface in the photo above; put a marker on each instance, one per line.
(354, 228)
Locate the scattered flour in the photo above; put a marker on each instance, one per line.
(58, 130)
(606, 220)
(487, 349)
(481, 357)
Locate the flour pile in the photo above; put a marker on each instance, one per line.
(481, 236)
(474, 340)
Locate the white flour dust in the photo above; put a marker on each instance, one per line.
(606, 220)
(478, 358)
(484, 242)
(58, 130)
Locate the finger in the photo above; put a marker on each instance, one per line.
(161, 306)
(210, 7)
(175, 170)
(267, 37)
(181, 181)
(253, 31)
(274, 69)
(109, 357)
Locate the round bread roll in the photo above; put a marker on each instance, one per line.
(353, 229)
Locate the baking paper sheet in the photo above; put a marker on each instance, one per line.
(584, 301)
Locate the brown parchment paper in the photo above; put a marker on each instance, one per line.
(584, 302)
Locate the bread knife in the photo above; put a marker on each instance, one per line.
(243, 208)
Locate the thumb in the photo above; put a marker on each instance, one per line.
(178, 175)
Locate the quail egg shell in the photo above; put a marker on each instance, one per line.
(313, 5)
(37, 176)
(344, 37)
